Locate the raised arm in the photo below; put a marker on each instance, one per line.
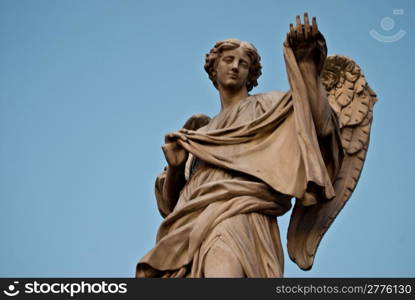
(309, 47)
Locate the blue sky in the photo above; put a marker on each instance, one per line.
(89, 88)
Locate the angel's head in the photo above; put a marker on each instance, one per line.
(250, 59)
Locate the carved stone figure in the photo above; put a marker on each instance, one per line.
(230, 176)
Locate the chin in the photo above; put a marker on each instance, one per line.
(233, 86)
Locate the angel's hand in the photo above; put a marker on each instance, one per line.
(307, 43)
(175, 154)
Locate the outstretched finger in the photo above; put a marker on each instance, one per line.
(299, 26)
(314, 26)
(307, 31)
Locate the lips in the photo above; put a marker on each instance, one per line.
(233, 75)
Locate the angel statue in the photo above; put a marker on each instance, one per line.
(229, 177)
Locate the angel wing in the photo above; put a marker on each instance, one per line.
(352, 100)
(196, 121)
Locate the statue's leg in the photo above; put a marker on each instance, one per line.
(220, 261)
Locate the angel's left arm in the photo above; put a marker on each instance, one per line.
(309, 47)
(319, 105)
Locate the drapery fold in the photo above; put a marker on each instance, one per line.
(268, 137)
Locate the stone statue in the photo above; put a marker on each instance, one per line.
(230, 176)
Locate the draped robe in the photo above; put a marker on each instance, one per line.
(244, 168)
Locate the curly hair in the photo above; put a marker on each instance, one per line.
(215, 53)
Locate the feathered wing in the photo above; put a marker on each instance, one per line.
(352, 100)
(196, 121)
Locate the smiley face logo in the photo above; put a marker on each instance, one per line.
(11, 290)
(387, 24)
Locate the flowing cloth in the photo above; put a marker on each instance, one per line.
(250, 161)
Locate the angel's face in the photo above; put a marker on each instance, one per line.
(232, 69)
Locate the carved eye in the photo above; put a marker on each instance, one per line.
(228, 59)
(244, 64)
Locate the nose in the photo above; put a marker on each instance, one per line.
(235, 66)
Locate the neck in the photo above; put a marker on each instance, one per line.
(229, 98)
